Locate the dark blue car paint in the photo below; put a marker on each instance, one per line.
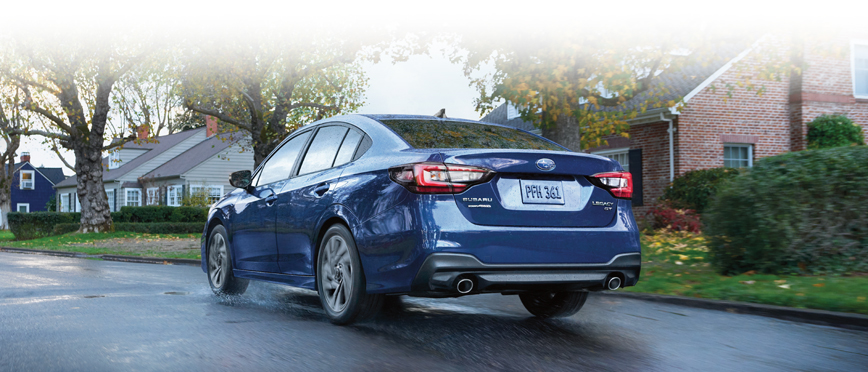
(395, 230)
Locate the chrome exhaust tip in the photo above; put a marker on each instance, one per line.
(464, 286)
(614, 283)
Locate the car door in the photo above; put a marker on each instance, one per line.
(306, 196)
(255, 246)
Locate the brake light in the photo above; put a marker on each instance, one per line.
(619, 184)
(439, 178)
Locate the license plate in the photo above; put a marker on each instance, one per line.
(541, 192)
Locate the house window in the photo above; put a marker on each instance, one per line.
(134, 197)
(110, 195)
(153, 196)
(173, 196)
(215, 192)
(27, 180)
(114, 160)
(860, 70)
(64, 203)
(737, 155)
(620, 155)
(23, 207)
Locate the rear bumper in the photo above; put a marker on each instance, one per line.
(439, 274)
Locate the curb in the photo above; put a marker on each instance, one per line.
(107, 257)
(820, 317)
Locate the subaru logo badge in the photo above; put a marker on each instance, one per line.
(545, 164)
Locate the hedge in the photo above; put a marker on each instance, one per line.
(26, 226)
(828, 131)
(801, 212)
(147, 228)
(694, 189)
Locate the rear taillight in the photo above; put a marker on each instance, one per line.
(619, 184)
(439, 178)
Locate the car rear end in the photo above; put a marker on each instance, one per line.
(507, 211)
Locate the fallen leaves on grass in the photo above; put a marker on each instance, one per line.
(820, 285)
(748, 282)
(784, 286)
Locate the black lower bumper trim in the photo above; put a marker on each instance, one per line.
(441, 271)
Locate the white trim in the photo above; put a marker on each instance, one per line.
(853, 44)
(178, 195)
(705, 83)
(32, 179)
(19, 205)
(156, 195)
(749, 151)
(111, 200)
(37, 170)
(611, 151)
(127, 199)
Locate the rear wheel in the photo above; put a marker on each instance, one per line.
(220, 276)
(340, 280)
(553, 305)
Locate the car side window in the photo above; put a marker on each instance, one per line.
(279, 166)
(323, 149)
(348, 147)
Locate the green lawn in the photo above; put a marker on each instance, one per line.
(118, 243)
(675, 264)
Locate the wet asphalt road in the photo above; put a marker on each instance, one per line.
(66, 314)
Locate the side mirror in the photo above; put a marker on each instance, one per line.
(241, 179)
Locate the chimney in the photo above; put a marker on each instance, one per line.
(25, 157)
(143, 132)
(211, 126)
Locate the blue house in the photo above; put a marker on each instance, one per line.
(33, 187)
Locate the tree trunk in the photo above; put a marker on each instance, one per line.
(95, 214)
(566, 133)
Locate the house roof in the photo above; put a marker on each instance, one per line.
(191, 158)
(54, 175)
(153, 149)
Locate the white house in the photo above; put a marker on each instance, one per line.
(163, 171)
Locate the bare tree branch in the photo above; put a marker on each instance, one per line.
(59, 156)
(217, 115)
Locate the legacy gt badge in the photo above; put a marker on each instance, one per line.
(545, 164)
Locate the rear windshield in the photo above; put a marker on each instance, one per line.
(441, 134)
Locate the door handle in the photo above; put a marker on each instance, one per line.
(269, 201)
(321, 189)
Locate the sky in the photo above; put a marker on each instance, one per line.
(421, 85)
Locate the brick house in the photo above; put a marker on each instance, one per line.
(715, 130)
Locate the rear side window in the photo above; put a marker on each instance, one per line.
(323, 149)
(348, 147)
(280, 164)
(432, 134)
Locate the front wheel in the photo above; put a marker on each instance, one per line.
(340, 280)
(220, 276)
(553, 305)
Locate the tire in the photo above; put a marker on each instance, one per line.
(340, 280)
(553, 305)
(220, 276)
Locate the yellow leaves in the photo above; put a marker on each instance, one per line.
(820, 285)
(860, 299)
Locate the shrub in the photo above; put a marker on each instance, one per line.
(665, 216)
(26, 226)
(801, 212)
(189, 214)
(694, 189)
(828, 131)
(148, 228)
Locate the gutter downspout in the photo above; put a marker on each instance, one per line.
(671, 131)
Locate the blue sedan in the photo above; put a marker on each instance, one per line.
(359, 207)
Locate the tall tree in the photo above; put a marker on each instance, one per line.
(68, 86)
(10, 118)
(575, 85)
(266, 87)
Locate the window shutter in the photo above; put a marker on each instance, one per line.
(635, 156)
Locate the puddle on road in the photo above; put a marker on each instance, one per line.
(93, 296)
(176, 293)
